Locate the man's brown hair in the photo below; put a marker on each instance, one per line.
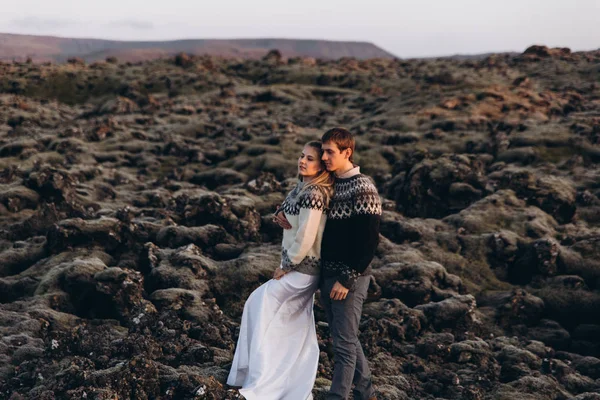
(342, 138)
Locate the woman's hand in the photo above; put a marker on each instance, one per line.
(278, 274)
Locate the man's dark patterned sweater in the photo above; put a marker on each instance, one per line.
(351, 234)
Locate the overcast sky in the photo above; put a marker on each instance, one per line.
(405, 28)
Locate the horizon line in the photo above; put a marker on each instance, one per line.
(58, 36)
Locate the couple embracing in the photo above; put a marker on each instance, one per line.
(331, 230)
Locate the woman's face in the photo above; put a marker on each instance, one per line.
(309, 162)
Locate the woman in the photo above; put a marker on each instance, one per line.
(277, 353)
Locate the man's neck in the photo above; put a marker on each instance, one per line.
(341, 171)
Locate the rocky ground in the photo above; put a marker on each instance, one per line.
(135, 204)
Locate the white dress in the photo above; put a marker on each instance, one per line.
(277, 352)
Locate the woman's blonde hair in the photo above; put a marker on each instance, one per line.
(324, 179)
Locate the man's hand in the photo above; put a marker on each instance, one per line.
(280, 219)
(278, 274)
(338, 292)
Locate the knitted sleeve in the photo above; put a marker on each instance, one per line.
(311, 204)
(365, 236)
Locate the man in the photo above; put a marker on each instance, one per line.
(349, 242)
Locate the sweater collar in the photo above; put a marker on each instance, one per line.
(349, 174)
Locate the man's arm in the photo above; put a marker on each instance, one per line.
(280, 219)
(362, 249)
(365, 235)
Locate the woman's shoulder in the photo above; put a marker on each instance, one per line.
(312, 197)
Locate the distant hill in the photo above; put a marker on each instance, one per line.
(58, 49)
(472, 57)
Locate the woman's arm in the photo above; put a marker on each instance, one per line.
(309, 221)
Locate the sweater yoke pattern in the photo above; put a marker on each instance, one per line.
(354, 196)
(311, 197)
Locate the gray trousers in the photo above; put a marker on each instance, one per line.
(350, 365)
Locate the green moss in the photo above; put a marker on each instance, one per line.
(73, 89)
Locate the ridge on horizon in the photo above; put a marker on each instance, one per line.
(187, 39)
(58, 49)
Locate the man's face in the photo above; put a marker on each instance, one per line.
(333, 158)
